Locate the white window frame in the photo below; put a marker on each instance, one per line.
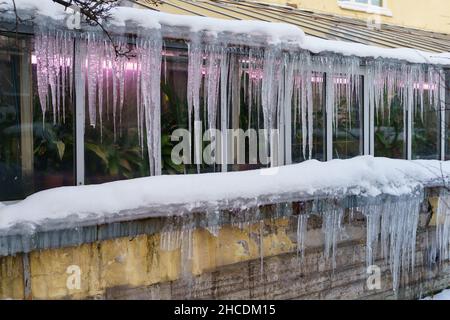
(368, 8)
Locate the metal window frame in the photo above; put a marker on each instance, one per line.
(367, 123)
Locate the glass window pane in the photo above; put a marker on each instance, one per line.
(174, 110)
(425, 135)
(389, 130)
(378, 3)
(318, 134)
(347, 123)
(35, 154)
(112, 148)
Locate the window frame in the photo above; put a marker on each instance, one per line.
(368, 8)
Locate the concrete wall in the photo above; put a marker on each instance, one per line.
(257, 260)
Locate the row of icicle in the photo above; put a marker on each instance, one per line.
(276, 82)
(391, 234)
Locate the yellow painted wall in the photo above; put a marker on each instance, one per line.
(432, 15)
(138, 262)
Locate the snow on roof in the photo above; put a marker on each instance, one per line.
(361, 176)
(273, 32)
(317, 45)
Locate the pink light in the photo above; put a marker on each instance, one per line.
(340, 80)
(425, 86)
(131, 66)
(68, 61)
(255, 74)
(169, 53)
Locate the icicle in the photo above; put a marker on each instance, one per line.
(373, 218)
(114, 90)
(303, 111)
(121, 79)
(41, 45)
(171, 240)
(54, 53)
(443, 227)
(139, 109)
(52, 70)
(302, 228)
(149, 60)
(397, 220)
(215, 54)
(63, 55)
(100, 85)
(332, 228)
(309, 104)
(92, 68)
(195, 69)
(261, 247)
(224, 65)
(269, 97)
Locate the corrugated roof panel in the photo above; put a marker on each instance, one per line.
(315, 24)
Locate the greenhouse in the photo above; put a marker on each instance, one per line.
(163, 149)
(77, 111)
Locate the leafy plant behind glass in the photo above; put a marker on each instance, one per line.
(389, 134)
(53, 143)
(173, 116)
(114, 159)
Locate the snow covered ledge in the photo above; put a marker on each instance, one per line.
(365, 176)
